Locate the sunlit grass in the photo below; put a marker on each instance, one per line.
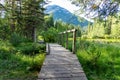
(40, 38)
(104, 67)
(98, 40)
(19, 66)
(100, 60)
(15, 65)
(104, 40)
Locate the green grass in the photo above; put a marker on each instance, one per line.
(16, 65)
(100, 61)
(105, 40)
(99, 40)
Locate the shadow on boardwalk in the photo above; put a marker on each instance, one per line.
(61, 64)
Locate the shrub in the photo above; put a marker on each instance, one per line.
(83, 44)
(98, 37)
(4, 30)
(30, 48)
(84, 37)
(94, 54)
(6, 47)
(36, 62)
(50, 35)
(108, 37)
(16, 39)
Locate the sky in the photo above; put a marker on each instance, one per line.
(67, 5)
(2, 1)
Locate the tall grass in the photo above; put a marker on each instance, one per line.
(100, 61)
(15, 64)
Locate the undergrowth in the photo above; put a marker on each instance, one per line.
(21, 62)
(100, 61)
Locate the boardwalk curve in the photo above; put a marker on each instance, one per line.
(61, 64)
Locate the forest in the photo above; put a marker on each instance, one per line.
(25, 29)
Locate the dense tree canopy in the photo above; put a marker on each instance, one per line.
(24, 16)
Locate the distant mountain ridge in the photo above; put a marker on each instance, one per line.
(60, 13)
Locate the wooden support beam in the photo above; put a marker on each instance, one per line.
(47, 49)
(66, 40)
(74, 42)
(62, 39)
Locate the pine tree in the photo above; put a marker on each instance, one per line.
(25, 16)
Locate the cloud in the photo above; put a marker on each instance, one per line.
(2, 1)
(68, 6)
(65, 4)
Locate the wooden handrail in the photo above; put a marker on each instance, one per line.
(74, 39)
(68, 31)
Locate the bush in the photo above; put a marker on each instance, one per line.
(50, 35)
(83, 44)
(6, 47)
(98, 37)
(84, 37)
(94, 55)
(36, 63)
(108, 37)
(5, 31)
(16, 39)
(31, 48)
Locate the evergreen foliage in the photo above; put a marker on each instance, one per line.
(24, 17)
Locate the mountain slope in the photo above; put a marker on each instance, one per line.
(60, 13)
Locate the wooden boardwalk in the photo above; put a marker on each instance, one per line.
(61, 64)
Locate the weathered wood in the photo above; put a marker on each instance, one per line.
(68, 31)
(66, 42)
(66, 46)
(66, 78)
(47, 49)
(74, 42)
(61, 64)
(62, 40)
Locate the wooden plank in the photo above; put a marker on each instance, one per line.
(73, 78)
(61, 65)
(60, 75)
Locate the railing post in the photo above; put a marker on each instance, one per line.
(47, 48)
(74, 41)
(62, 39)
(66, 40)
(59, 40)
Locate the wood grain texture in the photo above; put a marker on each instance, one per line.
(61, 64)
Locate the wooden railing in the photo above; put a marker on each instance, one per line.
(61, 39)
(47, 49)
